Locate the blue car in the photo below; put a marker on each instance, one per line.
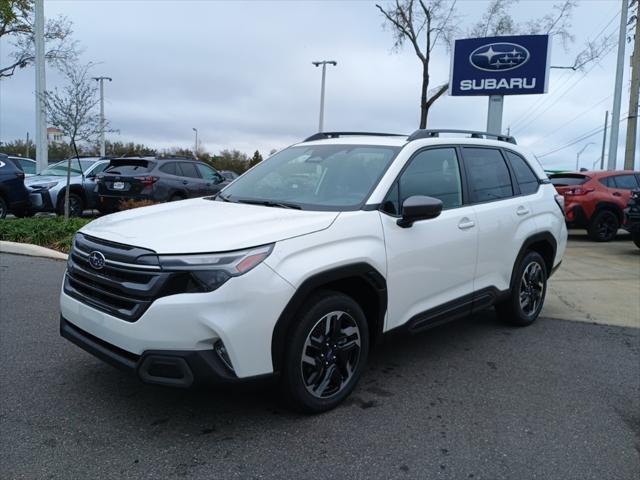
(48, 188)
(14, 196)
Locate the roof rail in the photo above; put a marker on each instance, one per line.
(326, 135)
(472, 134)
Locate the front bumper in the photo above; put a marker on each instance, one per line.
(242, 314)
(173, 368)
(41, 201)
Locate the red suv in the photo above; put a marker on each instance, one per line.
(596, 200)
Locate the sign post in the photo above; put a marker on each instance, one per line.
(499, 66)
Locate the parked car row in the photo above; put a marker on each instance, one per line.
(596, 200)
(102, 183)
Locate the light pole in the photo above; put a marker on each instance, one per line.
(42, 153)
(101, 80)
(580, 153)
(195, 150)
(324, 74)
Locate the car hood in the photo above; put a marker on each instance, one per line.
(38, 179)
(201, 225)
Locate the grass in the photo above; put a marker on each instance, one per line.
(55, 233)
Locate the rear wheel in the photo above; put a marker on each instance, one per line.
(76, 205)
(528, 292)
(603, 226)
(24, 213)
(3, 208)
(327, 352)
(635, 236)
(176, 197)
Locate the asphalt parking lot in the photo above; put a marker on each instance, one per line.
(473, 399)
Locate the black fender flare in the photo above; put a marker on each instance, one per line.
(609, 206)
(361, 271)
(542, 237)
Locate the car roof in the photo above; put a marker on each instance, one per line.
(13, 157)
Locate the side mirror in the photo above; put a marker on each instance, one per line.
(219, 178)
(419, 207)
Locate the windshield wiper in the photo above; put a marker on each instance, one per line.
(269, 203)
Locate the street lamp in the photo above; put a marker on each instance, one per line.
(195, 150)
(324, 64)
(580, 153)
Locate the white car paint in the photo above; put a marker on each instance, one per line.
(433, 262)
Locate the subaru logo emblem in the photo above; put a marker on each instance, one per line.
(96, 260)
(499, 57)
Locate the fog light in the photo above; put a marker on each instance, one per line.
(221, 350)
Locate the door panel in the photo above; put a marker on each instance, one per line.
(430, 263)
(433, 261)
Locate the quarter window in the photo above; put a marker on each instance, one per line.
(432, 173)
(526, 179)
(488, 174)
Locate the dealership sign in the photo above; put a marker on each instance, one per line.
(515, 65)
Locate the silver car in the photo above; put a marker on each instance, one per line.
(48, 187)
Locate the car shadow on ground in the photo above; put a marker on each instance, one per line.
(152, 409)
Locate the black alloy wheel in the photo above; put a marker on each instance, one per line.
(604, 226)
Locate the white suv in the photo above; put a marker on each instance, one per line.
(299, 266)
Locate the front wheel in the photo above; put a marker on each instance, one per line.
(528, 292)
(327, 352)
(76, 205)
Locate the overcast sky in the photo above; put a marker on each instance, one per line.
(241, 73)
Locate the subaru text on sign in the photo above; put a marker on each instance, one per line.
(514, 65)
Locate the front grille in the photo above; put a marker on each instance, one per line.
(130, 280)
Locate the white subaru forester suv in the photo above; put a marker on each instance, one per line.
(300, 265)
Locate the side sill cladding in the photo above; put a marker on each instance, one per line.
(359, 280)
(545, 244)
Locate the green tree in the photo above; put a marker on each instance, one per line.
(256, 159)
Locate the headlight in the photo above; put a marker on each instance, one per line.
(43, 186)
(210, 270)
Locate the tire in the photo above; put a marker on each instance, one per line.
(527, 293)
(76, 205)
(3, 208)
(603, 226)
(635, 236)
(176, 197)
(318, 373)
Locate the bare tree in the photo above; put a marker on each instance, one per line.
(17, 25)
(424, 23)
(72, 110)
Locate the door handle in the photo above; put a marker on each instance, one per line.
(617, 194)
(184, 182)
(465, 224)
(522, 211)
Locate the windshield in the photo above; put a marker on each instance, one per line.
(319, 177)
(60, 169)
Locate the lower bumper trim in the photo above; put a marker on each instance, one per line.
(173, 368)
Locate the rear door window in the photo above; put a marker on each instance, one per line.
(188, 169)
(488, 174)
(168, 168)
(527, 180)
(626, 182)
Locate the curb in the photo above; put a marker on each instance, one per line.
(30, 250)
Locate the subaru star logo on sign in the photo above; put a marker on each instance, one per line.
(500, 65)
(96, 260)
